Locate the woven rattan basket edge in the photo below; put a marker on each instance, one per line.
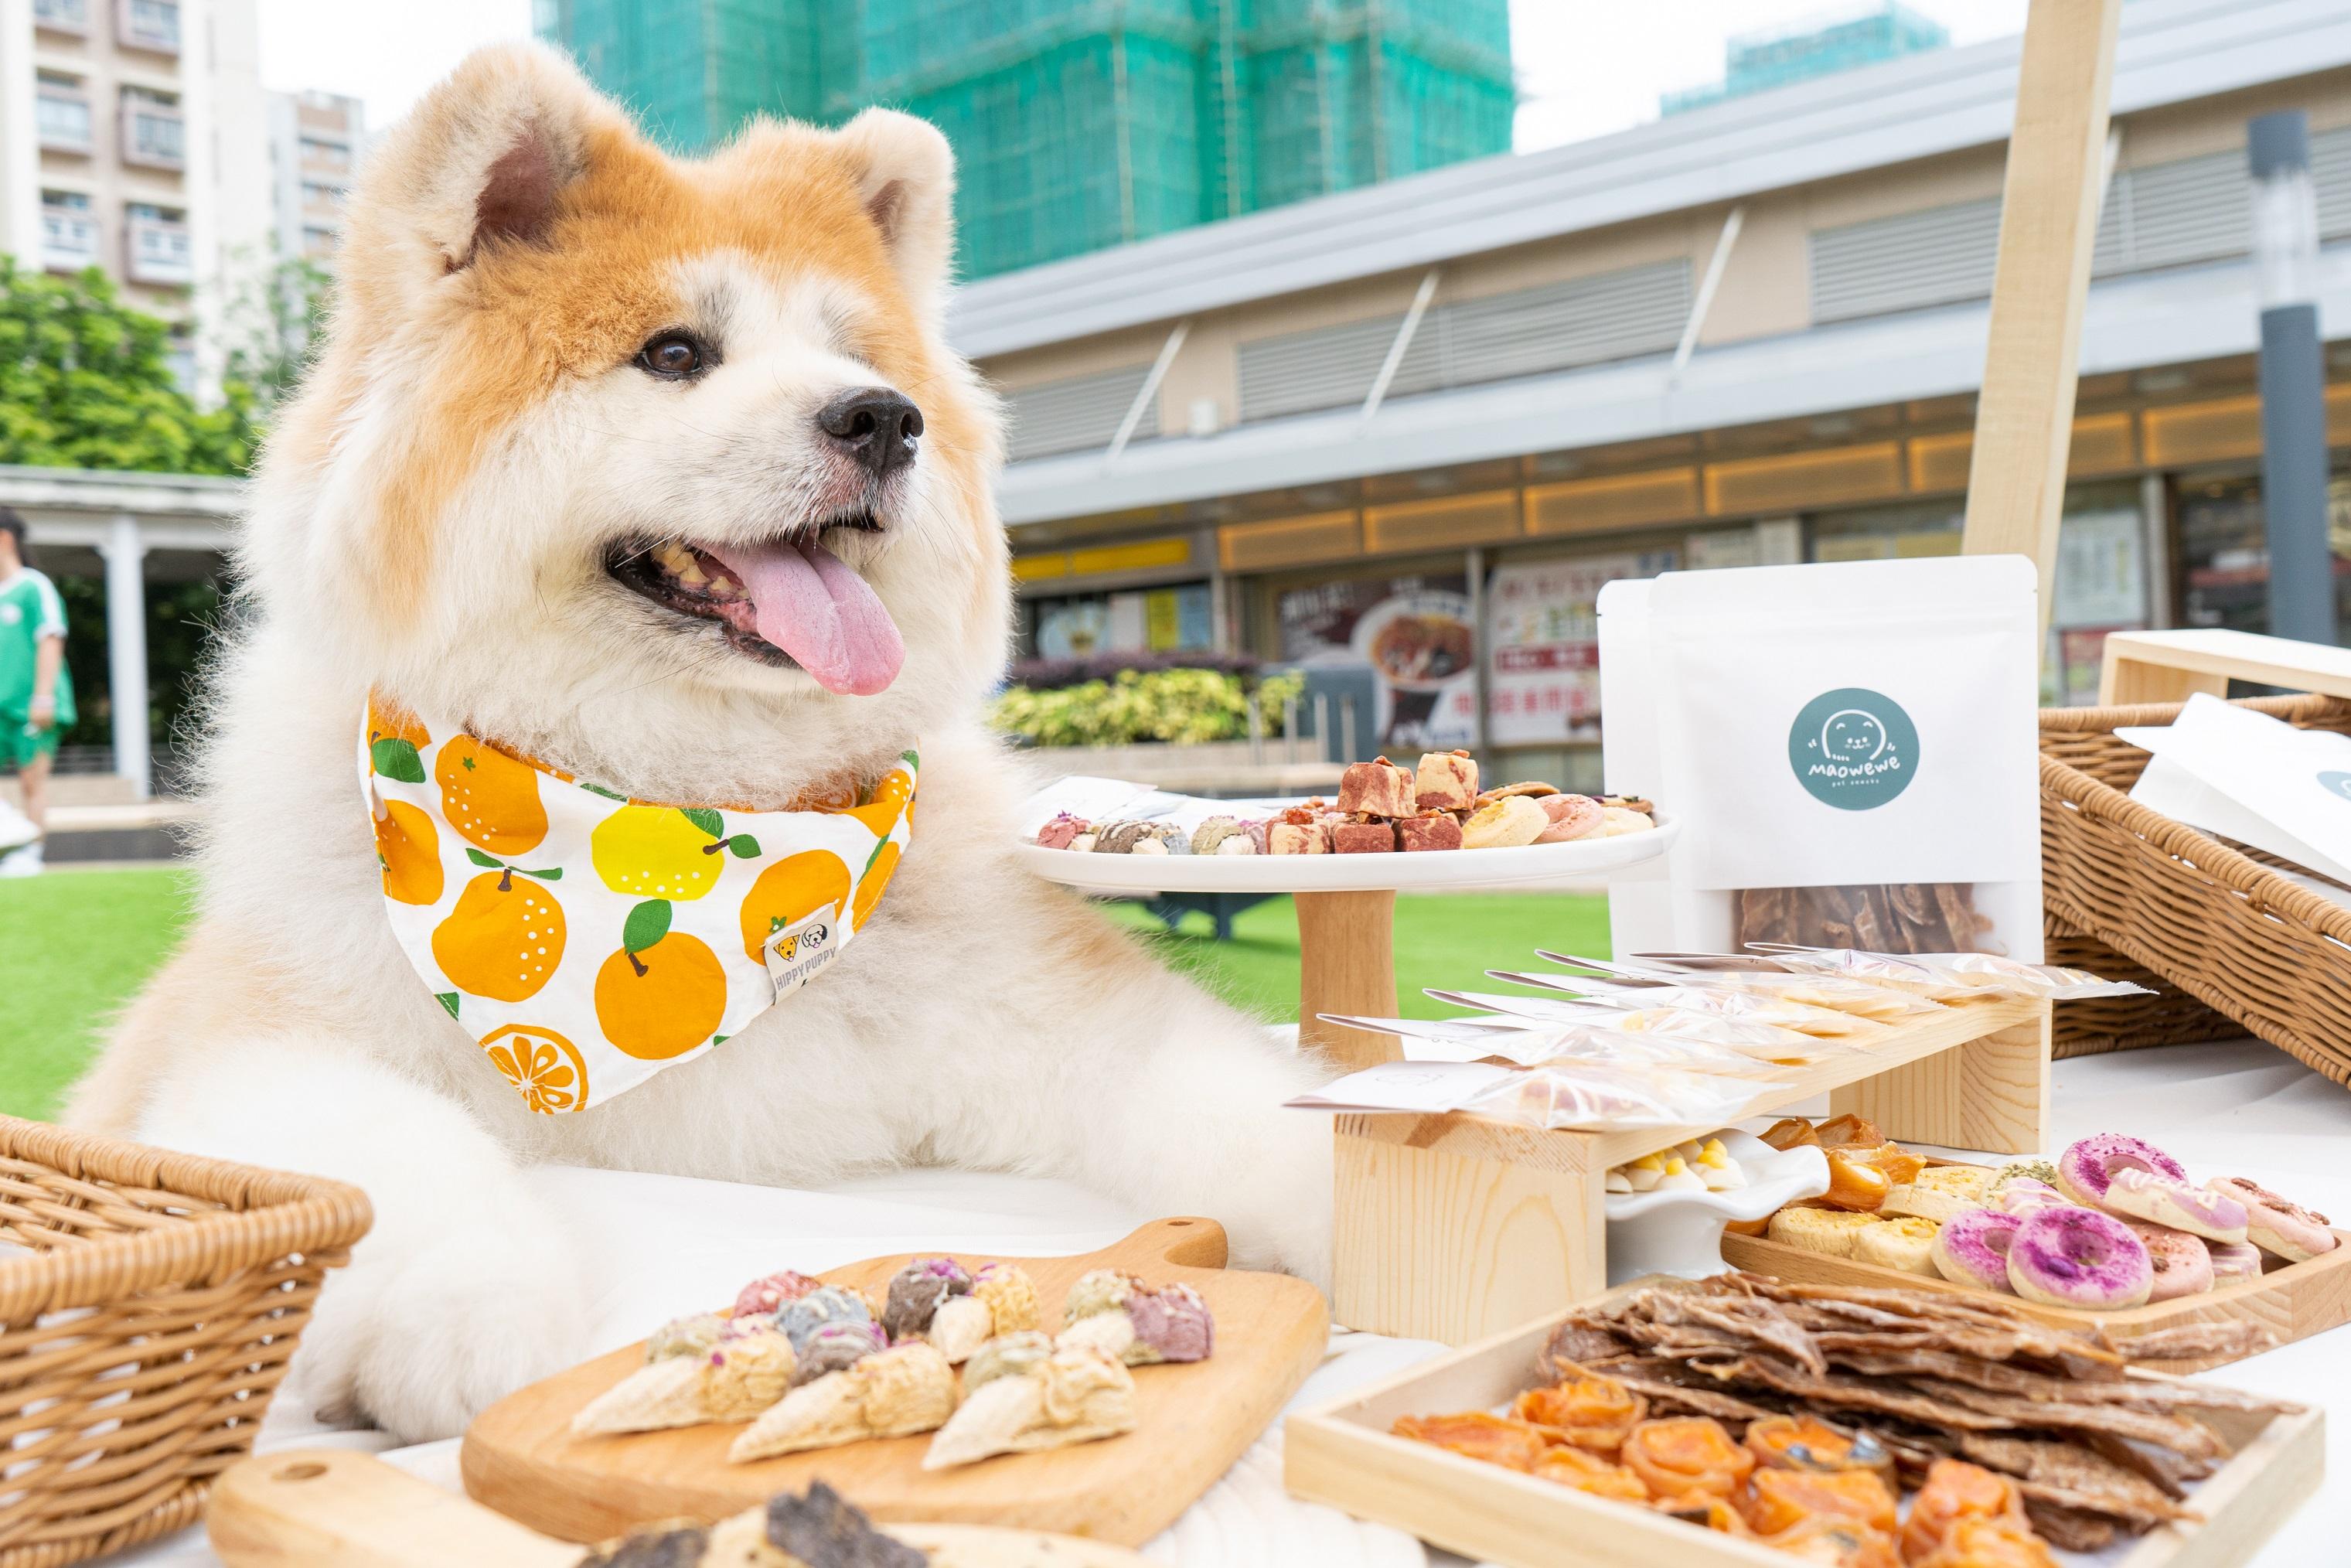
(2087, 823)
(274, 1217)
(285, 1213)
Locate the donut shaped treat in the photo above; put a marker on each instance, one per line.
(2176, 1206)
(1972, 1249)
(2087, 1168)
(2022, 1195)
(2235, 1261)
(2182, 1263)
(2294, 1233)
(2078, 1258)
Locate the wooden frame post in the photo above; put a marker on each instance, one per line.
(2048, 226)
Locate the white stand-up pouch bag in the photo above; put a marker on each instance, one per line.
(1850, 747)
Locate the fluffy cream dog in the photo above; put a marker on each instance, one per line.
(556, 353)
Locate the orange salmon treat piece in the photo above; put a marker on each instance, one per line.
(1955, 1491)
(1587, 1472)
(1590, 1412)
(1497, 1440)
(1781, 1500)
(1687, 1454)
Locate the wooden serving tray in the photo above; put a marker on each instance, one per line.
(1192, 1422)
(1455, 1226)
(1344, 1455)
(330, 1507)
(2292, 1300)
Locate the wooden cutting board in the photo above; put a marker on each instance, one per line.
(330, 1508)
(1192, 1422)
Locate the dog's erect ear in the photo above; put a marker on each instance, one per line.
(905, 172)
(481, 161)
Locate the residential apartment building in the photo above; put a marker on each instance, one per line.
(1417, 426)
(315, 142)
(130, 141)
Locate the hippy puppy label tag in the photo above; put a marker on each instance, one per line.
(799, 952)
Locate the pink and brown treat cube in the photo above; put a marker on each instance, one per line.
(1364, 837)
(1437, 830)
(1299, 839)
(1446, 781)
(1377, 788)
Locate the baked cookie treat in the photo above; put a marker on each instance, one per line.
(1299, 839)
(1906, 1244)
(1437, 831)
(1507, 822)
(1573, 817)
(1378, 838)
(2274, 1225)
(1376, 788)
(1827, 1230)
(1445, 781)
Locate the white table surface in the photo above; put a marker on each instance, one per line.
(663, 1246)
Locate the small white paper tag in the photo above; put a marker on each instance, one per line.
(799, 952)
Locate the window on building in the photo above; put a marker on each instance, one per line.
(326, 154)
(61, 113)
(317, 194)
(153, 130)
(69, 233)
(65, 16)
(160, 250)
(320, 242)
(150, 25)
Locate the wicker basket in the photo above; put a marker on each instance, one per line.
(2260, 953)
(142, 1329)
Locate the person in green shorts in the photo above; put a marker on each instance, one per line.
(35, 692)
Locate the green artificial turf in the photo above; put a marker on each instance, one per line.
(74, 946)
(1441, 940)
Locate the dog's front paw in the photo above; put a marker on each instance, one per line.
(419, 1344)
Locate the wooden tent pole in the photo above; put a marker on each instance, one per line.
(2048, 225)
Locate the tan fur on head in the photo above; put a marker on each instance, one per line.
(474, 436)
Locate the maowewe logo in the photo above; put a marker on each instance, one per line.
(2336, 783)
(1852, 749)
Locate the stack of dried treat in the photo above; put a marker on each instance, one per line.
(1382, 808)
(1827, 1381)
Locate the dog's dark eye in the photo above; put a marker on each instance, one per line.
(673, 355)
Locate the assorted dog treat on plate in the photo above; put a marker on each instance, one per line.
(1382, 808)
(1858, 1428)
(2113, 1222)
(813, 1365)
(1698, 1165)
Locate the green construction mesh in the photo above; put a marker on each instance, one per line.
(1082, 123)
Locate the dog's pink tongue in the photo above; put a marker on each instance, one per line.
(808, 602)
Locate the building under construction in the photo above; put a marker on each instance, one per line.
(1079, 124)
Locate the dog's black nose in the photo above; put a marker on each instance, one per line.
(875, 425)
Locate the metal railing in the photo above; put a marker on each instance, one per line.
(68, 239)
(153, 134)
(62, 121)
(149, 25)
(160, 252)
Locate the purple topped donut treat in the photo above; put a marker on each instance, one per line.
(2078, 1258)
(2087, 1168)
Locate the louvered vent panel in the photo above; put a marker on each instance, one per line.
(2330, 170)
(1613, 316)
(2197, 209)
(1902, 263)
(1328, 368)
(1078, 414)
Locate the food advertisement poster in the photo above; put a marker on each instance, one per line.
(1542, 683)
(1417, 634)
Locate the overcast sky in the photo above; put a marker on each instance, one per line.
(1585, 67)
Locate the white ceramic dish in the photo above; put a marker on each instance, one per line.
(1680, 1233)
(1446, 869)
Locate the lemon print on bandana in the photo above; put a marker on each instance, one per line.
(585, 941)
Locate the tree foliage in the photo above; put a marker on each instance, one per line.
(1180, 706)
(86, 382)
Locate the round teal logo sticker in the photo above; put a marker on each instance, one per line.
(1854, 748)
(2336, 784)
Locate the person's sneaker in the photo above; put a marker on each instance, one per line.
(15, 828)
(23, 862)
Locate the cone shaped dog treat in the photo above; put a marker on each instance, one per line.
(893, 1393)
(1128, 1321)
(696, 1335)
(918, 1291)
(1073, 1395)
(1013, 1355)
(739, 1376)
(825, 1305)
(820, 1531)
(835, 1346)
(770, 1293)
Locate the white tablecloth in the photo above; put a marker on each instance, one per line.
(663, 1246)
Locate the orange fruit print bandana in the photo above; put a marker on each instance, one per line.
(587, 940)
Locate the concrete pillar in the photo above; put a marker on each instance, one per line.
(126, 652)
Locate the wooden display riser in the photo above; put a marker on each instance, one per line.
(1455, 1226)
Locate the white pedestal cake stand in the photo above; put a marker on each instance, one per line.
(1346, 907)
